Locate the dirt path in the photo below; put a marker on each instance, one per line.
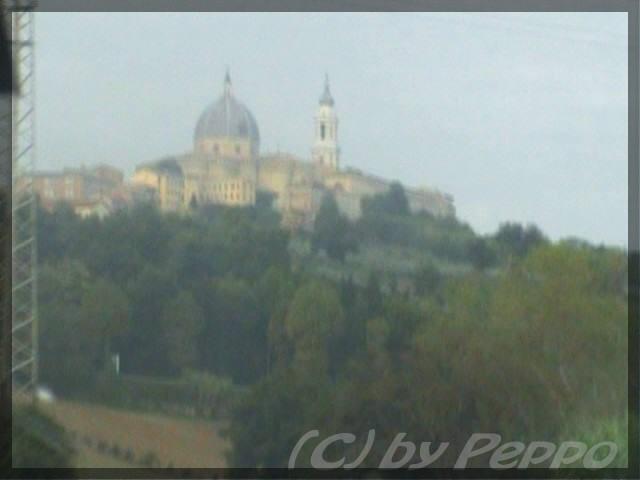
(175, 441)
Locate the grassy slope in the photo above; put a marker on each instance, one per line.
(371, 258)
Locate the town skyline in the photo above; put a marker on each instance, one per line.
(524, 172)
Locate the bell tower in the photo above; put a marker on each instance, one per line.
(326, 152)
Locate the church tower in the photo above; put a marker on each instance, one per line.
(326, 152)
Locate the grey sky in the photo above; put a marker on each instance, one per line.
(519, 116)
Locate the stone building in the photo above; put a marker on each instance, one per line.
(76, 185)
(226, 167)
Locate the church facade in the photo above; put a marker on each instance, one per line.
(226, 167)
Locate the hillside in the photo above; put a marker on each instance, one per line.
(387, 321)
(382, 260)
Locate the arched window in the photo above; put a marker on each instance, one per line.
(322, 131)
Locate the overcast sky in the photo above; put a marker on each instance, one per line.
(520, 117)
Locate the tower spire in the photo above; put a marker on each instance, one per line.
(325, 151)
(326, 98)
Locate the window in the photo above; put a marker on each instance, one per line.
(322, 131)
(237, 148)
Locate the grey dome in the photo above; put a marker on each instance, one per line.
(227, 117)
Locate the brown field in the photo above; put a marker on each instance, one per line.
(174, 441)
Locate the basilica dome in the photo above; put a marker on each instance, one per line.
(227, 118)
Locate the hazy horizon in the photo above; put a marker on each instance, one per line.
(521, 117)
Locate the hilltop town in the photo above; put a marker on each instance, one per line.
(226, 167)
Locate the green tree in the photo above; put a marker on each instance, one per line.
(372, 296)
(539, 349)
(69, 351)
(516, 240)
(481, 254)
(397, 203)
(234, 340)
(555, 303)
(273, 291)
(144, 351)
(267, 423)
(594, 431)
(314, 319)
(331, 231)
(392, 202)
(182, 322)
(104, 308)
(37, 441)
(264, 200)
(428, 279)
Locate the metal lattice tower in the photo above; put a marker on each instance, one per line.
(24, 326)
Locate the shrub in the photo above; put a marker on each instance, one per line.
(129, 456)
(149, 459)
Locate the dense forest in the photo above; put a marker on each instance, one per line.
(527, 338)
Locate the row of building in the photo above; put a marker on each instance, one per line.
(226, 167)
(96, 190)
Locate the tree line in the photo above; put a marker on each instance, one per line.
(530, 350)
(386, 219)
